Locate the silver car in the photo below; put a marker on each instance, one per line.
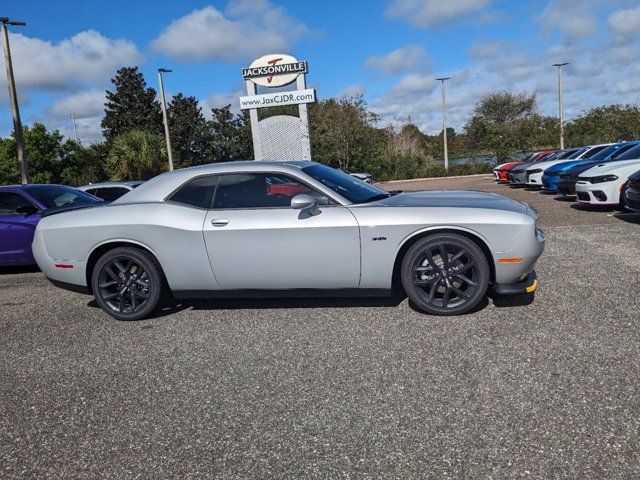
(110, 191)
(251, 227)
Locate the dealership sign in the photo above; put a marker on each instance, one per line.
(274, 70)
(279, 137)
(294, 97)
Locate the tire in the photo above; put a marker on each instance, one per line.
(119, 287)
(445, 274)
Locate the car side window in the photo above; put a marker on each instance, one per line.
(261, 190)
(197, 192)
(10, 202)
(110, 193)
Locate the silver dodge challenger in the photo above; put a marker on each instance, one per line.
(289, 228)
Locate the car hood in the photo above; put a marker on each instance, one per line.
(563, 167)
(612, 167)
(453, 199)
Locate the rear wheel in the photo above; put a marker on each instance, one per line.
(127, 283)
(445, 274)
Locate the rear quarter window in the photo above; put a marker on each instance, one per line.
(197, 192)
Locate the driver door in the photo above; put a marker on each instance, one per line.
(16, 229)
(255, 240)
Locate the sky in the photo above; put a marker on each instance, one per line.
(391, 51)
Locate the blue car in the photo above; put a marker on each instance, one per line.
(602, 153)
(566, 185)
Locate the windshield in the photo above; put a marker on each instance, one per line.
(576, 153)
(605, 152)
(58, 196)
(594, 151)
(621, 150)
(630, 154)
(351, 188)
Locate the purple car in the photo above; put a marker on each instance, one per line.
(21, 208)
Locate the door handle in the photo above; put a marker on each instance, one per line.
(219, 222)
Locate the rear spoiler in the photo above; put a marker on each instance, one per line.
(68, 208)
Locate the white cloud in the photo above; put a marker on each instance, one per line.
(398, 61)
(433, 13)
(574, 19)
(85, 104)
(85, 57)
(353, 90)
(485, 50)
(88, 109)
(247, 29)
(414, 83)
(625, 23)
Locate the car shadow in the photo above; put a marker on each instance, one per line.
(284, 303)
(629, 217)
(590, 208)
(213, 304)
(565, 198)
(18, 269)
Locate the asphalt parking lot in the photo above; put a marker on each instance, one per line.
(338, 388)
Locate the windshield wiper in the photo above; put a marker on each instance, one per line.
(380, 196)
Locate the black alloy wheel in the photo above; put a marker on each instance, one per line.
(127, 283)
(445, 274)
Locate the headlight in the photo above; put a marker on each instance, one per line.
(603, 178)
(535, 170)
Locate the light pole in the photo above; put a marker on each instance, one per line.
(164, 115)
(560, 105)
(75, 129)
(444, 122)
(13, 98)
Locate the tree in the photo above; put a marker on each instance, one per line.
(230, 135)
(44, 151)
(137, 155)
(342, 131)
(503, 124)
(610, 123)
(131, 106)
(83, 165)
(190, 136)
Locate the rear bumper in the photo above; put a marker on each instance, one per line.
(528, 285)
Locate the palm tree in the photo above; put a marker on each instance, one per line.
(137, 155)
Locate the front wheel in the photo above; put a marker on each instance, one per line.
(127, 283)
(445, 274)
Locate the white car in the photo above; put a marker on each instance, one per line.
(533, 174)
(605, 184)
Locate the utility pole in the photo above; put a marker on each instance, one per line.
(164, 116)
(444, 122)
(560, 105)
(75, 129)
(13, 98)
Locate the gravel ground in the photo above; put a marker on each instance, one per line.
(343, 388)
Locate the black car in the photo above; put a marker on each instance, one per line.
(632, 196)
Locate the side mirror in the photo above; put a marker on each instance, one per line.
(305, 202)
(26, 209)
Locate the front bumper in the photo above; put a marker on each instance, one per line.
(550, 183)
(534, 179)
(632, 200)
(518, 178)
(606, 193)
(527, 285)
(567, 186)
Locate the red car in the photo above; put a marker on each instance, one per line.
(500, 172)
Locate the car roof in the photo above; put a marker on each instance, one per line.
(127, 183)
(158, 188)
